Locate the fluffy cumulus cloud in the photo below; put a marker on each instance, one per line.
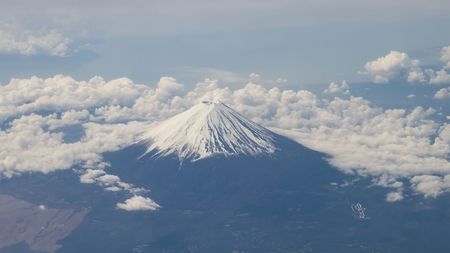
(397, 147)
(442, 93)
(441, 76)
(394, 196)
(445, 56)
(431, 186)
(31, 144)
(391, 66)
(336, 88)
(398, 66)
(138, 203)
(15, 40)
(254, 77)
(109, 182)
(416, 75)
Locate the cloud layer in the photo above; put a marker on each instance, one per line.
(15, 40)
(58, 123)
(139, 17)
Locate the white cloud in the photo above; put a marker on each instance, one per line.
(394, 196)
(411, 96)
(392, 66)
(281, 80)
(168, 86)
(90, 175)
(442, 93)
(335, 88)
(62, 93)
(108, 180)
(254, 77)
(431, 186)
(439, 77)
(15, 40)
(110, 183)
(391, 144)
(445, 56)
(416, 75)
(376, 142)
(398, 65)
(30, 145)
(138, 203)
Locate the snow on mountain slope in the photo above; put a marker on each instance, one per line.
(207, 129)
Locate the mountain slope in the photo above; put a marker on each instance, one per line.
(291, 201)
(208, 129)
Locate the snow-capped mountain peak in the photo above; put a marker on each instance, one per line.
(207, 129)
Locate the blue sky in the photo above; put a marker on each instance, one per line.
(306, 42)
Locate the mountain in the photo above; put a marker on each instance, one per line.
(207, 129)
(238, 188)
